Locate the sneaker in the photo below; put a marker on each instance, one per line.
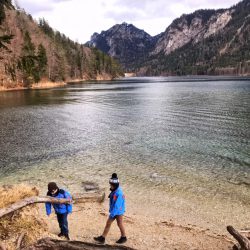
(67, 236)
(100, 239)
(60, 235)
(122, 240)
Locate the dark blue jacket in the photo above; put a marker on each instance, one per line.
(116, 203)
(59, 208)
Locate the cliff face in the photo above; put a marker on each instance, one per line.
(38, 53)
(221, 45)
(204, 42)
(192, 28)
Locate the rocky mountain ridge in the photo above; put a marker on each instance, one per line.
(124, 42)
(204, 33)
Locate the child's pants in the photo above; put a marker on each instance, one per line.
(63, 223)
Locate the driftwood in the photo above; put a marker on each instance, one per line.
(2, 247)
(243, 241)
(52, 244)
(87, 197)
(19, 241)
(78, 198)
(244, 231)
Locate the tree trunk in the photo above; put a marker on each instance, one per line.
(52, 244)
(19, 241)
(78, 198)
(243, 241)
(2, 247)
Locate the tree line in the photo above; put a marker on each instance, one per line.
(51, 56)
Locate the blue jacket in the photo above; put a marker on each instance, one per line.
(116, 203)
(59, 208)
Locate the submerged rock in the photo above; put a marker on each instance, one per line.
(90, 186)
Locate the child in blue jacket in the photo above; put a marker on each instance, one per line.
(61, 210)
(116, 210)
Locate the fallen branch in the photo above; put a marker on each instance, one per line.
(78, 198)
(243, 241)
(2, 247)
(82, 198)
(244, 231)
(52, 244)
(19, 241)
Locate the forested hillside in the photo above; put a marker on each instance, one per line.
(31, 52)
(225, 52)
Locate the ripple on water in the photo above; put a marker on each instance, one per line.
(191, 136)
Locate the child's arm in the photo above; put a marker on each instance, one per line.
(48, 208)
(69, 206)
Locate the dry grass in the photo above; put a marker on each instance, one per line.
(10, 194)
(26, 220)
(46, 84)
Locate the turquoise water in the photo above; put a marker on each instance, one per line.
(187, 135)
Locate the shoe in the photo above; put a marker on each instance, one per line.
(122, 240)
(100, 239)
(60, 235)
(67, 236)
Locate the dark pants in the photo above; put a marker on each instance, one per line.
(63, 223)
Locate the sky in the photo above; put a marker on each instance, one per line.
(79, 19)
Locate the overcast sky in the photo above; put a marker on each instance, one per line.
(79, 19)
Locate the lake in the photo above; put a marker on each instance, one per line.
(184, 136)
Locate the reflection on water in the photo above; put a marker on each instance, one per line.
(194, 133)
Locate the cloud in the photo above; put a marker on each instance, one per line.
(34, 7)
(165, 8)
(79, 19)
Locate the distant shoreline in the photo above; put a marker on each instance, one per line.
(50, 85)
(40, 85)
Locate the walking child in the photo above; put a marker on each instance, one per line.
(61, 210)
(116, 210)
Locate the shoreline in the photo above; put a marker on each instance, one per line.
(100, 78)
(50, 85)
(40, 85)
(144, 228)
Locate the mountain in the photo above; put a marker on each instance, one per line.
(124, 42)
(204, 42)
(31, 52)
(191, 28)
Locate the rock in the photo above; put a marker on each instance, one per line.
(154, 175)
(90, 186)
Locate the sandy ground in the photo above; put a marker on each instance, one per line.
(143, 231)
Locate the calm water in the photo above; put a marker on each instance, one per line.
(179, 134)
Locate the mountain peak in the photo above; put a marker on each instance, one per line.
(134, 48)
(125, 42)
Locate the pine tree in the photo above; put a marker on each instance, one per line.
(28, 61)
(42, 60)
(6, 38)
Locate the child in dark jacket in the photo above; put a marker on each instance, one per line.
(61, 210)
(116, 210)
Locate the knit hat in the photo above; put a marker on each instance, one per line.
(114, 179)
(52, 186)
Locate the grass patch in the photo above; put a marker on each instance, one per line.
(27, 220)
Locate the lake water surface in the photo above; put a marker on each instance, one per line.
(188, 136)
